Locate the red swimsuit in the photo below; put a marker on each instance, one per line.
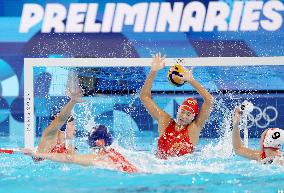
(120, 161)
(59, 148)
(116, 157)
(174, 143)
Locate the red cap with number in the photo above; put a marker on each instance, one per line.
(191, 105)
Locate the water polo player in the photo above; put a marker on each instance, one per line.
(65, 137)
(61, 129)
(103, 156)
(177, 137)
(270, 143)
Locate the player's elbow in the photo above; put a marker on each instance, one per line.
(209, 102)
(238, 150)
(144, 97)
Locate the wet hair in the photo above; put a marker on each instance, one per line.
(97, 133)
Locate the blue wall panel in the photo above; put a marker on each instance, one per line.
(15, 46)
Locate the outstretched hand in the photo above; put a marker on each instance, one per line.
(29, 152)
(237, 115)
(76, 96)
(187, 75)
(158, 62)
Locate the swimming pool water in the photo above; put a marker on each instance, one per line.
(212, 168)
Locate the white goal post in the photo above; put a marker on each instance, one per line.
(29, 63)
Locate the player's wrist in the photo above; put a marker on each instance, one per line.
(190, 80)
(153, 70)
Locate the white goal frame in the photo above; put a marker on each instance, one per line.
(29, 63)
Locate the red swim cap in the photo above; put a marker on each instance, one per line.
(191, 105)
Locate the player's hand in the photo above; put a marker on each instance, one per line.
(29, 152)
(76, 96)
(187, 75)
(237, 115)
(158, 62)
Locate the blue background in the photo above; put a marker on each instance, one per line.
(263, 85)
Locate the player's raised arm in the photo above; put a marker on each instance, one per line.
(145, 95)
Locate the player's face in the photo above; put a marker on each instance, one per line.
(184, 117)
(100, 143)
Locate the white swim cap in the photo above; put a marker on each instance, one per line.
(274, 137)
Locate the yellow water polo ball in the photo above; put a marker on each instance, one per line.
(175, 74)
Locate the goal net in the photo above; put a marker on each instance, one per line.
(112, 87)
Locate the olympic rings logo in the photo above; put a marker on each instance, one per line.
(262, 118)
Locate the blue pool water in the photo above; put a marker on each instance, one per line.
(212, 168)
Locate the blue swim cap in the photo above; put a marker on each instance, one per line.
(99, 132)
